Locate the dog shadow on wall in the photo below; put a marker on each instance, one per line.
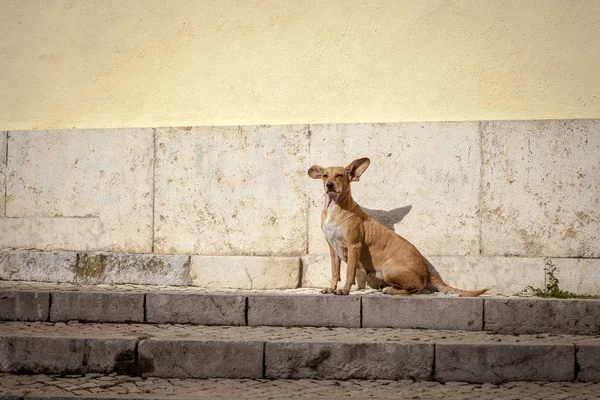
(389, 218)
(392, 217)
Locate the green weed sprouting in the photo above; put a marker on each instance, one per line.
(552, 290)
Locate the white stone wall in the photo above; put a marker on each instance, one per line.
(540, 191)
(485, 202)
(79, 190)
(231, 190)
(3, 160)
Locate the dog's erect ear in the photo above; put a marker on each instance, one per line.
(315, 172)
(357, 167)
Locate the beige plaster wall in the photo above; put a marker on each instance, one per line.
(118, 64)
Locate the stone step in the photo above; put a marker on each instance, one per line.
(192, 351)
(27, 301)
(106, 387)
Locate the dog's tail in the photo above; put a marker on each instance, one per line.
(442, 287)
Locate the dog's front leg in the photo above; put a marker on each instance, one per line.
(335, 271)
(352, 264)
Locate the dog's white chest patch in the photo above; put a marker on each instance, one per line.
(333, 234)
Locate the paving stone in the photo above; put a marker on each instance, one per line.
(144, 269)
(532, 315)
(38, 266)
(348, 360)
(504, 362)
(203, 309)
(307, 310)
(588, 360)
(24, 306)
(167, 357)
(304, 388)
(97, 307)
(10, 396)
(422, 312)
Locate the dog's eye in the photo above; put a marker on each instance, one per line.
(339, 175)
(325, 176)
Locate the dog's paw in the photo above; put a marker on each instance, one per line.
(326, 290)
(341, 292)
(382, 285)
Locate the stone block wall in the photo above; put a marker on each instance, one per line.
(488, 203)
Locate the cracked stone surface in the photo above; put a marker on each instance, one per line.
(119, 386)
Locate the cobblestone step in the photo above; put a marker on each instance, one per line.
(28, 301)
(188, 351)
(94, 386)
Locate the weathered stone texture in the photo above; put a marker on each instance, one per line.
(231, 190)
(3, 143)
(97, 307)
(36, 266)
(504, 362)
(41, 354)
(423, 180)
(578, 275)
(131, 387)
(588, 360)
(17, 305)
(316, 271)
(422, 312)
(144, 269)
(55, 233)
(106, 355)
(62, 355)
(302, 360)
(201, 309)
(242, 272)
(306, 310)
(179, 358)
(520, 188)
(540, 195)
(542, 315)
(502, 275)
(97, 174)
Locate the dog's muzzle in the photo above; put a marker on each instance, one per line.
(329, 186)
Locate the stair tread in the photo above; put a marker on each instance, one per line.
(274, 333)
(33, 301)
(29, 286)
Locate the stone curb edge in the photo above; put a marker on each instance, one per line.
(499, 315)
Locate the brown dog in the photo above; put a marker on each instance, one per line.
(361, 241)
